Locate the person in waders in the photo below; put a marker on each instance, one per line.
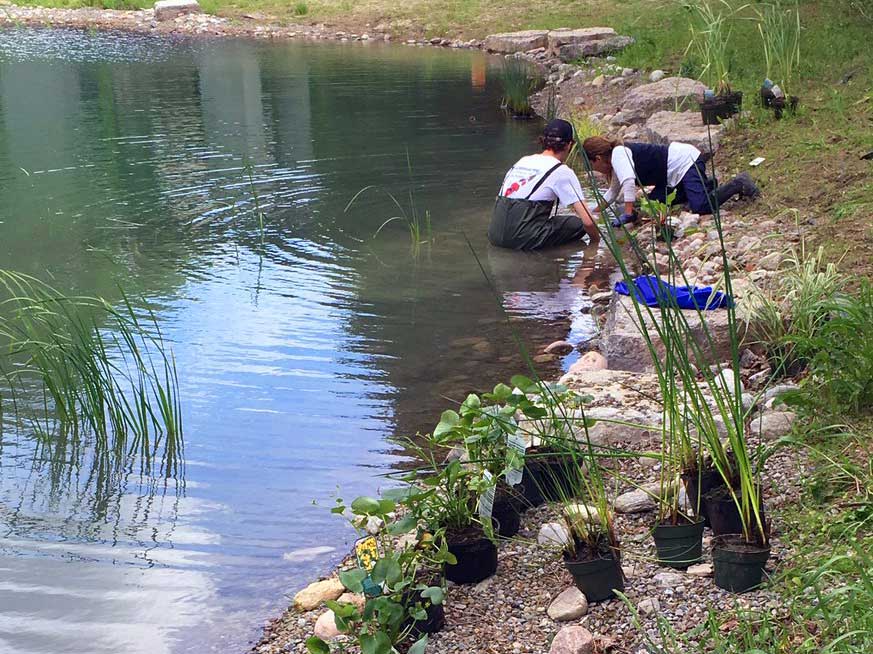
(678, 166)
(524, 217)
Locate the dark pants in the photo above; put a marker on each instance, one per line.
(529, 225)
(694, 189)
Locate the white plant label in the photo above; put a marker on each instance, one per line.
(757, 161)
(486, 502)
(518, 443)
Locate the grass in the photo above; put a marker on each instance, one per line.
(518, 80)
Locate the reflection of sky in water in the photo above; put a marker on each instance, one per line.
(297, 356)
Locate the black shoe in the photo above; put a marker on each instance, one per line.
(748, 188)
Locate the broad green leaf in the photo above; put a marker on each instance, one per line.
(434, 593)
(378, 643)
(521, 382)
(533, 411)
(403, 526)
(365, 505)
(387, 570)
(398, 494)
(448, 421)
(352, 579)
(418, 646)
(501, 392)
(341, 609)
(471, 404)
(419, 614)
(315, 645)
(386, 506)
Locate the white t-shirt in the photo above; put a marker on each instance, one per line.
(562, 185)
(680, 158)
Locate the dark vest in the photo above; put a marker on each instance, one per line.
(650, 163)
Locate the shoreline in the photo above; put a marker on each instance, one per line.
(251, 25)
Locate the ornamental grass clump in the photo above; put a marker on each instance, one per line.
(519, 82)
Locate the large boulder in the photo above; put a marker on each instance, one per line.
(626, 349)
(685, 127)
(572, 44)
(169, 9)
(510, 42)
(671, 93)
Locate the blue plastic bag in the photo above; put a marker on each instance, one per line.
(653, 291)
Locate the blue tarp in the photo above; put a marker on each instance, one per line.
(653, 291)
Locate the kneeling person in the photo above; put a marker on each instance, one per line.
(524, 216)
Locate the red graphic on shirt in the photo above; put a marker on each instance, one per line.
(512, 188)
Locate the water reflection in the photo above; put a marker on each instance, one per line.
(299, 350)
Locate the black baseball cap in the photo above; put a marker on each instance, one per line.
(559, 129)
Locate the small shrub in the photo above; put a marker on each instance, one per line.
(301, 9)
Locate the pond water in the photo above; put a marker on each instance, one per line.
(302, 346)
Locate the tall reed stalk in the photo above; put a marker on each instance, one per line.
(519, 83)
(779, 27)
(95, 370)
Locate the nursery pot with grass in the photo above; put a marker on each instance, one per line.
(717, 109)
(435, 621)
(724, 515)
(597, 577)
(679, 545)
(703, 481)
(738, 566)
(781, 104)
(506, 513)
(549, 477)
(476, 556)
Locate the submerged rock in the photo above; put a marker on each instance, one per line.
(570, 604)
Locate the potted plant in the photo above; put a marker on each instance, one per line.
(710, 43)
(591, 553)
(779, 28)
(456, 501)
(402, 596)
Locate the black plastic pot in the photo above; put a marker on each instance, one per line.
(724, 515)
(549, 478)
(505, 515)
(781, 104)
(721, 107)
(704, 481)
(679, 545)
(738, 566)
(477, 560)
(436, 620)
(597, 578)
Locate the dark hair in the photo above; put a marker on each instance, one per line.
(598, 146)
(553, 143)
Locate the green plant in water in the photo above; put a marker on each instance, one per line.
(259, 213)
(99, 371)
(418, 224)
(519, 82)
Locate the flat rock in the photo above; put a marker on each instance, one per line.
(572, 44)
(700, 570)
(559, 347)
(553, 534)
(316, 593)
(670, 93)
(618, 425)
(683, 126)
(626, 349)
(572, 640)
(774, 393)
(510, 42)
(770, 261)
(649, 606)
(638, 500)
(169, 9)
(772, 425)
(325, 626)
(570, 604)
(668, 579)
(583, 512)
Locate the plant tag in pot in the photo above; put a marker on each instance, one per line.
(517, 444)
(486, 501)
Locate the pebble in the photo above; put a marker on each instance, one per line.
(570, 604)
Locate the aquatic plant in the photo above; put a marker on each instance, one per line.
(96, 369)
(519, 82)
(259, 213)
(710, 42)
(417, 223)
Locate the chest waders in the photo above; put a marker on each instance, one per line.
(524, 224)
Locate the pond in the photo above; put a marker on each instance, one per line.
(210, 180)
